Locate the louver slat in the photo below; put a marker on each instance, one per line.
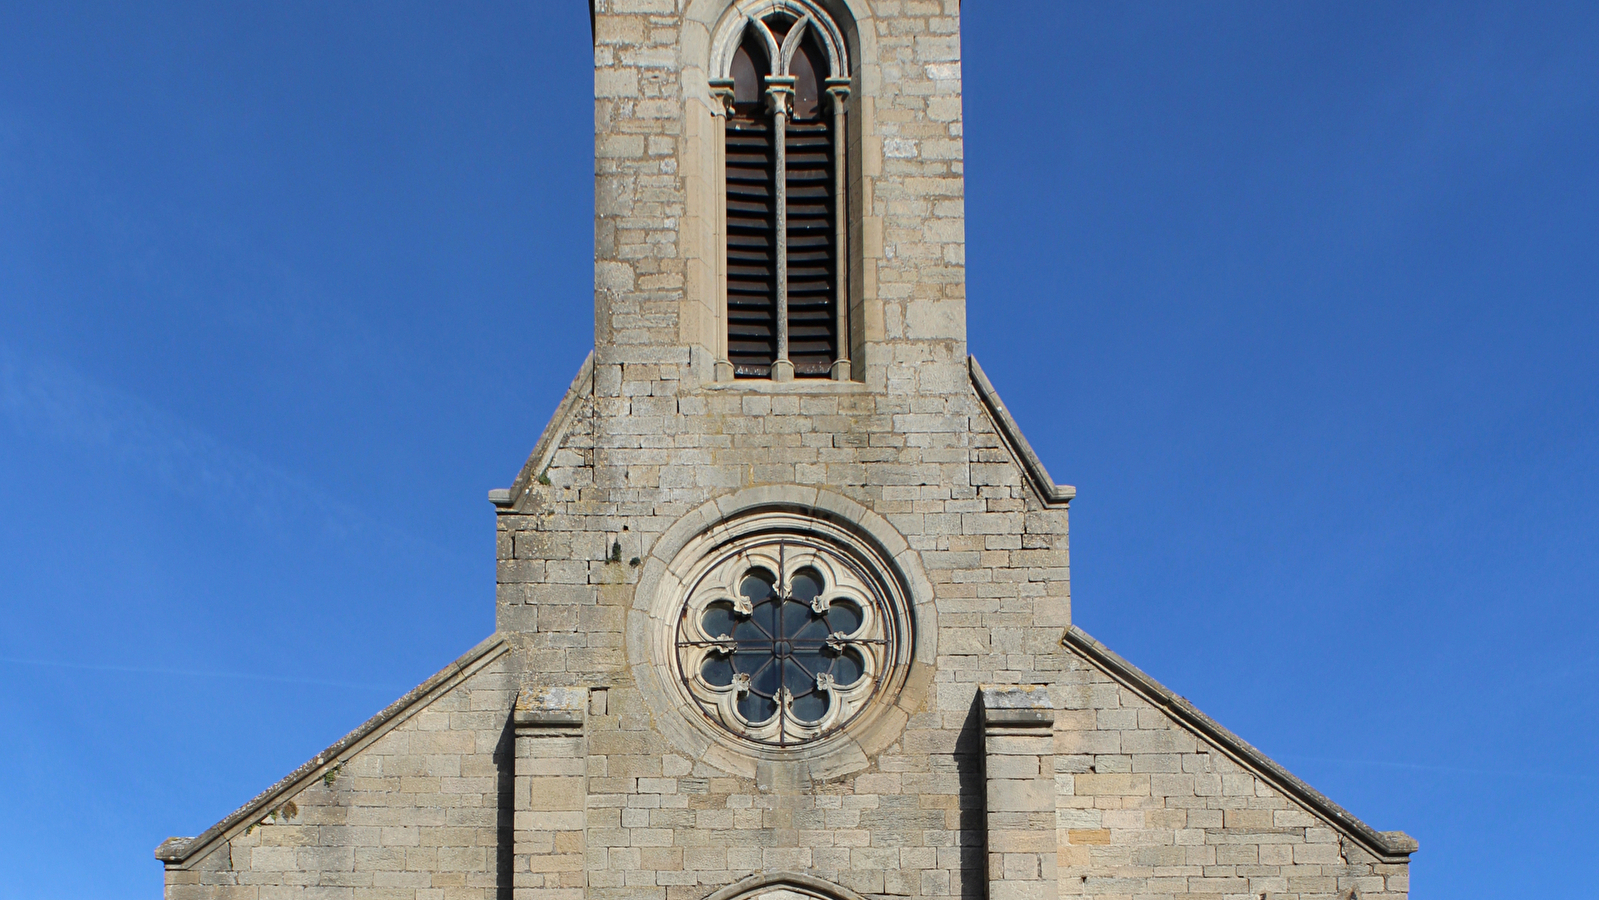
(812, 341)
(751, 247)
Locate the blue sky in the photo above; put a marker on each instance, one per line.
(1301, 296)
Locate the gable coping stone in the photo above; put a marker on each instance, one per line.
(1049, 493)
(550, 441)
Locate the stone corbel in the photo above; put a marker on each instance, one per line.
(721, 91)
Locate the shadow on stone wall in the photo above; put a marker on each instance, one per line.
(973, 795)
(505, 833)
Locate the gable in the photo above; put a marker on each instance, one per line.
(352, 768)
(575, 407)
(1128, 736)
(1048, 492)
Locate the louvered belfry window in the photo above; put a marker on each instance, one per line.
(786, 303)
(751, 220)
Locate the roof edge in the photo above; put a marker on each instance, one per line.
(176, 851)
(1049, 493)
(550, 441)
(1387, 846)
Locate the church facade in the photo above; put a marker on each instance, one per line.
(783, 602)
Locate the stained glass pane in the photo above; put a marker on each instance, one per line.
(746, 632)
(806, 585)
(796, 679)
(748, 660)
(765, 618)
(755, 708)
(765, 680)
(757, 585)
(749, 67)
(807, 82)
(843, 617)
(718, 670)
(815, 630)
(813, 661)
(795, 617)
(718, 620)
(811, 707)
(848, 668)
(780, 24)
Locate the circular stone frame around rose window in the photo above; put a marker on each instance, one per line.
(781, 633)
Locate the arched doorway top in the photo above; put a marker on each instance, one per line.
(784, 886)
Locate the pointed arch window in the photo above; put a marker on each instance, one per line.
(784, 93)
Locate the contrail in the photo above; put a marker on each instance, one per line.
(47, 399)
(52, 400)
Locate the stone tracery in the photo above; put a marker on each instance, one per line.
(783, 639)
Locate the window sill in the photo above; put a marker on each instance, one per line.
(797, 386)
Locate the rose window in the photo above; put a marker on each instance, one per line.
(783, 640)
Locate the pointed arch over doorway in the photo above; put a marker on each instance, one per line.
(784, 886)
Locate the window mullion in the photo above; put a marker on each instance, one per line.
(721, 91)
(838, 93)
(780, 99)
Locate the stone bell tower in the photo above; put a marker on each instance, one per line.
(890, 103)
(783, 602)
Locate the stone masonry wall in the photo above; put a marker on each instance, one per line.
(661, 825)
(418, 814)
(911, 443)
(1149, 810)
(906, 176)
(997, 558)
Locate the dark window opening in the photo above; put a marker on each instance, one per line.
(807, 84)
(749, 70)
(811, 151)
(780, 26)
(751, 219)
(811, 265)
